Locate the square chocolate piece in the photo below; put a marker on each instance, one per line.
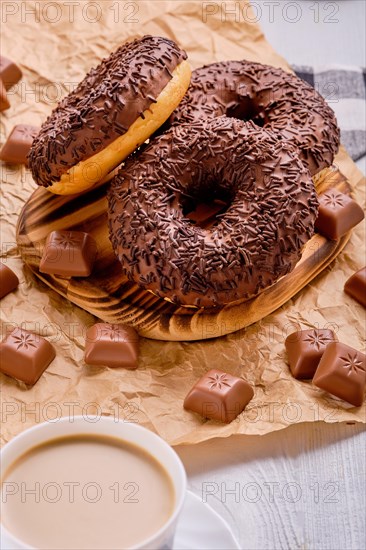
(356, 286)
(25, 356)
(18, 144)
(219, 396)
(111, 345)
(68, 254)
(305, 349)
(4, 102)
(10, 73)
(8, 280)
(342, 372)
(338, 213)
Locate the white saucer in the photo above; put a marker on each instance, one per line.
(201, 528)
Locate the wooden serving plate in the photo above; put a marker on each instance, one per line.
(109, 295)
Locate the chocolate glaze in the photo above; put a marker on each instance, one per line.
(103, 106)
(257, 240)
(269, 96)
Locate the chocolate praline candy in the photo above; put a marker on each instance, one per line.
(305, 349)
(8, 280)
(219, 396)
(25, 356)
(338, 213)
(18, 144)
(342, 372)
(68, 254)
(356, 286)
(10, 73)
(4, 102)
(112, 345)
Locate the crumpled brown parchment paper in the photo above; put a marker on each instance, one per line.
(55, 43)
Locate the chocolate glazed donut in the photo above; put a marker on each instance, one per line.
(259, 237)
(116, 108)
(270, 97)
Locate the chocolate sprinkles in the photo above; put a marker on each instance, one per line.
(257, 240)
(106, 103)
(269, 96)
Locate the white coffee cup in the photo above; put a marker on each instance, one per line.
(103, 426)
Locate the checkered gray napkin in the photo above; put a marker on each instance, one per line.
(344, 89)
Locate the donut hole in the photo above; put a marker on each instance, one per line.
(204, 209)
(244, 108)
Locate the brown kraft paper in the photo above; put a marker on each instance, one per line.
(55, 44)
